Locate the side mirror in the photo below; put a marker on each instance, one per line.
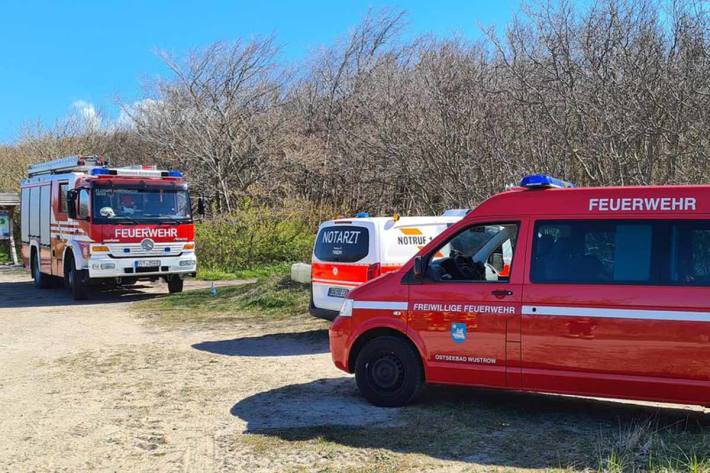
(71, 203)
(418, 268)
(201, 206)
(496, 260)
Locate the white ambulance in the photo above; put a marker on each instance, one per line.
(351, 251)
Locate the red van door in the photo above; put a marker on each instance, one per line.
(619, 308)
(466, 307)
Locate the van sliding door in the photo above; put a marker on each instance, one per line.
(618, 308)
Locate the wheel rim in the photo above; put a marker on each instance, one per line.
(386, 372)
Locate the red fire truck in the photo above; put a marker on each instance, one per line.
(607, 294)
(84, 223)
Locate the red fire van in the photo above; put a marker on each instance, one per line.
(607, 294)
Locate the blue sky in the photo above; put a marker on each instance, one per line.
(60, 57)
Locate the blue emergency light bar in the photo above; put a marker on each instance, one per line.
(174, 173)
(362, 215)
(541, 181)
(99, 171)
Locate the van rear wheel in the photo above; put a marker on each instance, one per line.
(388, 372)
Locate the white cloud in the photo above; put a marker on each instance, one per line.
(129, 113)
(86, 112)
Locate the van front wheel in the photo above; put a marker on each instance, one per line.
(388, 372)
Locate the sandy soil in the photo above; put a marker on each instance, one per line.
(96, 387)
(91, 386)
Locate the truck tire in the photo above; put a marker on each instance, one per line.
(41, 281)
(388, 372)
(77, 280)
(175, 284)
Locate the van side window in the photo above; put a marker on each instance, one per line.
(479, 253)
(657, 252)
(690, 253)
(592, 252)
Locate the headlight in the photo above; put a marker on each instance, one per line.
(103, 266)
(347, 309)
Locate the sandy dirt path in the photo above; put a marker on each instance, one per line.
(91, 386)
(94, 386)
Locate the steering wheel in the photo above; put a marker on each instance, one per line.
(463, 266)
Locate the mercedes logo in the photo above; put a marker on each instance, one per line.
(147, 244)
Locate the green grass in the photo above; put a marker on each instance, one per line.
(265, 300)
(4, 255)
(5, 252)
(252, 273)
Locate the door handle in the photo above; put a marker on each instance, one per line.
(502, 292)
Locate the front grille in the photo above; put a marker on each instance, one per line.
(118, 250)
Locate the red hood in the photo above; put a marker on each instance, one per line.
(378, 288)
(137, 233)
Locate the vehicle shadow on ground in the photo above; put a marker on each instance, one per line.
(23, 294)
(483, 427)
(310, 342)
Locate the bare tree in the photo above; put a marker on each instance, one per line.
(213, 116)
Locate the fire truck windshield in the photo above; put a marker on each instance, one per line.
(115, 204)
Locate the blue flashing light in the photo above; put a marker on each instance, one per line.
(167, 249)
(99, 172)
(542, 181)
(455, 212)
(362, 215)
(174, 173)
(126, 250)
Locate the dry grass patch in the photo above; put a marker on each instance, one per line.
(274, 301)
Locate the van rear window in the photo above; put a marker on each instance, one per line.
(342, 244)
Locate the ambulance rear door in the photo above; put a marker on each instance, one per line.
(344, 254)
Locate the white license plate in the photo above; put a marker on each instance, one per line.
(337, 292)
(147, 263)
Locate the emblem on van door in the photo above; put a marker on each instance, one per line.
(335, 271)
(147, 244)
(458, 332)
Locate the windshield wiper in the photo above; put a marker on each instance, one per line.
(124, 220)
(169, 220)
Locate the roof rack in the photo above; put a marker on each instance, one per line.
(67, 164)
